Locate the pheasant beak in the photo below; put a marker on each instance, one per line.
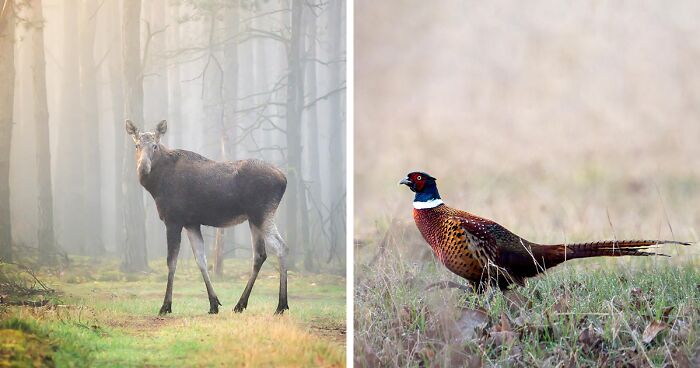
(405, 181)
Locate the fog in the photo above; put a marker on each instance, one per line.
(234, 79)
(524, 109)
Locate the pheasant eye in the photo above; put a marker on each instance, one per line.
(419, 177)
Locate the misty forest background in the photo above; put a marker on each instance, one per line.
(234, 79)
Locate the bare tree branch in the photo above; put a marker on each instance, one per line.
(146, 47)
(325, 96)
(260, 15)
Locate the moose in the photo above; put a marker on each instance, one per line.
(191, 190)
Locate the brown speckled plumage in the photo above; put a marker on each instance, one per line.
(467, 245)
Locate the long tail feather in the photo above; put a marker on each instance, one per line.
(547, 256)
(615, 248)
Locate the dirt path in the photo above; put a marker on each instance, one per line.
(329, 330)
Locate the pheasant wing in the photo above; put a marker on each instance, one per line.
(483, 240)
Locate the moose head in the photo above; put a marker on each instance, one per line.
(148, 147)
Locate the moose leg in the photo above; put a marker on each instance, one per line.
(195, 235)
(173, 234)
(275, 240)
(259, 257)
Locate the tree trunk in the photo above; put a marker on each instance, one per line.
(296, 200)
(116, 87)
(175, 97)
(92, 199)
(69, 184)
(212, 95)
(230, 101)
(135, 258)
(313, 152)
(7, 89)
(155, 110)
(337, 137)
(260, 69)
(157, 67)
(45, 234)
(219, 253)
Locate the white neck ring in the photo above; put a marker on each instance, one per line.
(429, 204)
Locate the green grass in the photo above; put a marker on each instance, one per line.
(586, 313)
(115, 323)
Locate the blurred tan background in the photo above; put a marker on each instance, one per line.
(559, 120)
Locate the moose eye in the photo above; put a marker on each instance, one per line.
(155, 146)
(419, 177)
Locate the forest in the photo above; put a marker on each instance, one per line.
(234, 79)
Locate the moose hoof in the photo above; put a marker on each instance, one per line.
(280, 309)
(165, 309)
(239, 308)
(214, 305)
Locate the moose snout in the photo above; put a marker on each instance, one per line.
(143, 164)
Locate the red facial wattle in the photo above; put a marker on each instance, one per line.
(419, 185)
(418, 181)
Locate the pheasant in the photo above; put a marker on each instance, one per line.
(485, 253)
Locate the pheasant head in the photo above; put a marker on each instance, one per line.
(427, 195)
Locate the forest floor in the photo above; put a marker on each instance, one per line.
(99, 316)
(618, 312)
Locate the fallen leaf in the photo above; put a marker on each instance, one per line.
(504, 326)
(652, 330)
(470, 322)
(591, 339)
(499, 338)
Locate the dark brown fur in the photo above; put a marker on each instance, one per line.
(190, 189)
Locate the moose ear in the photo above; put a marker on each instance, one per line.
(161, 128)
(131, 129)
